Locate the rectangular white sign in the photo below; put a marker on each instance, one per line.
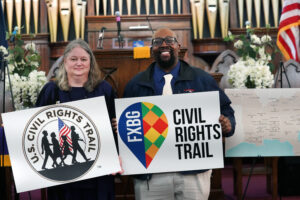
(267, 122)
(62, 143)
(170, 133)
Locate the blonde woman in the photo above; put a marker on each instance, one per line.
(78, 78)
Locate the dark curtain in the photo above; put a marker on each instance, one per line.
(3, 41)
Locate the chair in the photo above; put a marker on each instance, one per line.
(222, 65)
(53, 70)
(290, 75)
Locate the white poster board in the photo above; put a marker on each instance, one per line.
(267, 122)
(39, 139)
(170, 133)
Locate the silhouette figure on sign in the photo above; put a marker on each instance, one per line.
(56, 151)
(76, 145)
(46, 149)
(66, 147)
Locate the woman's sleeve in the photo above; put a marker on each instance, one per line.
(110, 95)
(48, 95)
(110, 101)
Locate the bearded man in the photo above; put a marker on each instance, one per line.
(183, 78)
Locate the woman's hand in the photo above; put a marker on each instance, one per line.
(122, 170)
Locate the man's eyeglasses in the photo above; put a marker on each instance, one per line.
(167, 40)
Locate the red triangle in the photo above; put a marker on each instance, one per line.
(148, 160)
(146, 126)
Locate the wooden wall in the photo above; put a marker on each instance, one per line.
(118, 70)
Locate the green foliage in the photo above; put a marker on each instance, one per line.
(24, 60)
(26, 81)
(229, 37)
(249, 83)
(251, 46)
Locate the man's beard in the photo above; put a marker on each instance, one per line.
(165, 64)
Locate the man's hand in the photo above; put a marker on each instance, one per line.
(225, 123)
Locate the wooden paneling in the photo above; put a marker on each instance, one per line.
(42, 46)
(118, 70)
(124, 188)
(118, 66)
(57, 49)
(216, 191)
(179, 23)
(209, 49)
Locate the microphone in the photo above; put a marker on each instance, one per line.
(149, 24)
(100, 38)
(118, 20)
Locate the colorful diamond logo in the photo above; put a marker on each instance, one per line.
(143, 127)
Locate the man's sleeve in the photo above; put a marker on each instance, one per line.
(227, 111)
(128, 90)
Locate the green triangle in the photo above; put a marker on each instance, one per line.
(145, 110)
(157, 111)
(147, 144)
(158, 142)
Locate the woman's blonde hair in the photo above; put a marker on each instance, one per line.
(94, 77)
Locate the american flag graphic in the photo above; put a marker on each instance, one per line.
(288, 38)
(63, 130)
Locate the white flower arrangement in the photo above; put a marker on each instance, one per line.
(26, 89)
(254, 68)
(26, 81)
(30, 47)
(242, 74)
(4, 51)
